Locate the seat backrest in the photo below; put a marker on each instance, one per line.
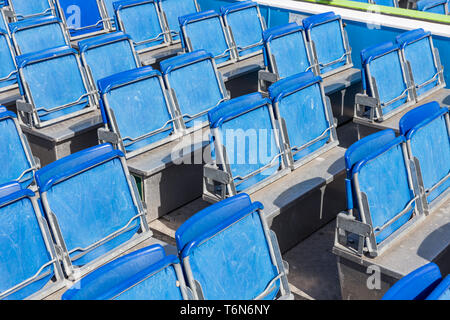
(141, 21)
(433, 6)
(195, 85)
(245, 127)
(145, 274)
(286, 50)
(172, 10)
(416, 285)
(8, 70)
(91, 203)
(25, 245)
(108, 54)
(301, 108)
(220, 261)
(63, 94)
(392, 89)
(37, 34)
(82, 17)
(135, 105)
(418, 50)
(427, 131)
(18, 163)
(204, 30)
(328, 41)
(245, 25)
(381, 169)
(27, 9)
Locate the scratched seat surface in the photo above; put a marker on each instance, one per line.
(300, 106)
(326, 34)
(246, 26)
(227, 252)
(375, 164)
(8, 70)
(286, 50)
(204, 30)
(146, 274)
(92, 204)
(136, 108)
(426, 128)
(18, 163)
(25, 260)
(141, 21)
(172, 10)
(37, 34)
(391, 88)
(62, 70)
(26, 9)
(418, 50)
(245, 128)
(108, 54)
(195, 84)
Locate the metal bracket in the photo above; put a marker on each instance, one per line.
(211, 172)
(108, 136)
(24, 106)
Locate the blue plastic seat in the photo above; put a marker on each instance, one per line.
(38, 34)
(228, 253)
(93, 208)
(18, 162)
(375, 165)
(141, 21)
(304, 115)
(433, 6)
(388, 3)
(108, 54)
(24, 9)
(329, 43)
(427, 71)
(145, 274)
(391, 91)
(65, 92)
(417, 285)
(137, 109)
(245, 25)
(286, 50)
(427, 131)
(245, 144)
(28, 260)
(8, 69)
(171, 10)
(204, 30)
(84, 18)
(195, 86)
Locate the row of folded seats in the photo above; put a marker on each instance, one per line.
(415, 74)
(85, 211)
(416, 164)
(84, 18)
